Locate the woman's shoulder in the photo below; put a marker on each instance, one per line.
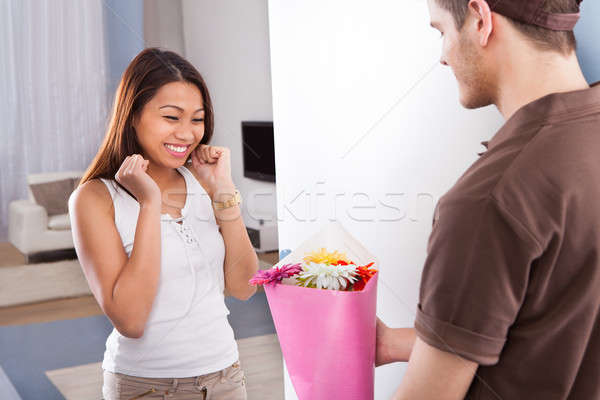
(92, 194)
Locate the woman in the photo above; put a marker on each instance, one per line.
(160, 239)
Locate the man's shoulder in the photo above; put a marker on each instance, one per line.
(559, 151)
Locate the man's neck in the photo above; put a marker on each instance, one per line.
(551, 73)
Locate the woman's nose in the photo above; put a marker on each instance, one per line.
(185, 134)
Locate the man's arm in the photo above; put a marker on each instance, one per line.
(433, 374)
(393, 344)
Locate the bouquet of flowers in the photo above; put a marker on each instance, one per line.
(321, 270)
(322, 298)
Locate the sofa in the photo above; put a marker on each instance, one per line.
(40, 224)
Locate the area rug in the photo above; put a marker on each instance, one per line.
(29, 283)
(28, 352)
(260, 357)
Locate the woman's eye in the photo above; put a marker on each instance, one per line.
(198, 119)
(171, 117)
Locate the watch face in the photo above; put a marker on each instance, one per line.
(237, 199)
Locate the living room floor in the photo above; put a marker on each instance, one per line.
(32, 358)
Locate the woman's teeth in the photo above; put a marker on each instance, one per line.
(175, 148)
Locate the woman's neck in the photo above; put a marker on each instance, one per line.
(163, 176)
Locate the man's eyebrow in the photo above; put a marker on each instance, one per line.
(179, 108)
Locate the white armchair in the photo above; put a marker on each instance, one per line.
(30, 229)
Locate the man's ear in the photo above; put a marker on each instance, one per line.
(482, 14)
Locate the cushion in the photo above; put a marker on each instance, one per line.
(59, 222)
(53, 195)
(76, 182)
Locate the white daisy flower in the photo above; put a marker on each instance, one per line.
(323, 276)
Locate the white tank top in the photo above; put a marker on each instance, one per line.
(187, 332)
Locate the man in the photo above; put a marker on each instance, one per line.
(509, 306)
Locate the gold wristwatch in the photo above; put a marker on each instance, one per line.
(234, 201)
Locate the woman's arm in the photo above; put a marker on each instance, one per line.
(211, 166)
(241, 261)
(125, 288)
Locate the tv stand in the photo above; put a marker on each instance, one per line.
(263, 236)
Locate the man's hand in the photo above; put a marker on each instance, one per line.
(393, 345)
(382, 355)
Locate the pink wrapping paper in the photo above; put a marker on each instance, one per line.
(327, 337)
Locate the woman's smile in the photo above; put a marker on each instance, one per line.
(177, 150)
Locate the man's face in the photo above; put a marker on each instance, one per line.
(461, 51)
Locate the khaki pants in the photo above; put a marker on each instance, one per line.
(227, 384)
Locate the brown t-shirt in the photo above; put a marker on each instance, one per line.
(512, 274)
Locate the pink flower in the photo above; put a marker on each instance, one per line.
(275, 274)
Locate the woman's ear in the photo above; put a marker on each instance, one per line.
(134, 121)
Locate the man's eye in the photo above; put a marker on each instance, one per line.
(171, 117)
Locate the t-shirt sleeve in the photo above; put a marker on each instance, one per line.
(474, 279)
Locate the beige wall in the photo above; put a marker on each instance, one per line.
(228, 41)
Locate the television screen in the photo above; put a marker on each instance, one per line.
(258, 150)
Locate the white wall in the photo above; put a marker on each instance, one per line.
(163, 25)
(361, 104)
(124, 35)
(587, 31)
(228, 41)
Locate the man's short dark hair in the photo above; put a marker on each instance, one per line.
(545, 39)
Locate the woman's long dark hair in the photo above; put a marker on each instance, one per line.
(148, 71)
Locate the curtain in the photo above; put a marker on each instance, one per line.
(53, 91)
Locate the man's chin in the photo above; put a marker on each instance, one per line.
(471, 102)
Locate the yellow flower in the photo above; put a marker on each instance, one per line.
(324, 257)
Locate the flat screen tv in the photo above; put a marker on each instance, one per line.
(258, 150)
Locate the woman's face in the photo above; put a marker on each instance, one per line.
(171, 124)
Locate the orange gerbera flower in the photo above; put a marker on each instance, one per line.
(341, 262)
(364, 273)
